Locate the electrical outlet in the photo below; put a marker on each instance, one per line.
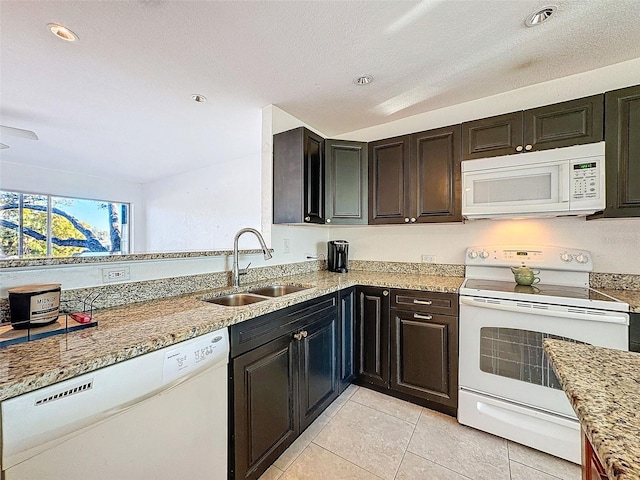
(428, 259)
(116, 274)
(286, 245)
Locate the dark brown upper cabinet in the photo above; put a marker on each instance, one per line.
(389, 179)
(415, 178)
(298, 177)
(552, 126)
(435, 173)
(622, 152)
(346, 189)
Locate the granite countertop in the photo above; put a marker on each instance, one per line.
(131, 330)
(632, 297)
(603, 387)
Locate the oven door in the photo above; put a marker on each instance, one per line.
(501, 352)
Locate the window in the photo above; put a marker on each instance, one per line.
(35, 225)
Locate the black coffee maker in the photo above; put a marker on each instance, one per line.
(338, 256)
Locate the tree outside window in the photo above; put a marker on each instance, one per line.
(36, 225)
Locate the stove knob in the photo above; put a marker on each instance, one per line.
(473, 254)
(484, 254)
(565, 257)
(581, 258)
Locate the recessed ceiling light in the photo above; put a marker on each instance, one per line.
(62, 32)
(196, 97)
(540, 16)
(363, 80)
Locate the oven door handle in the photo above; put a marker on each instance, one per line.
(617, 319)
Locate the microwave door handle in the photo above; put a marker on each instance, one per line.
(564, 182)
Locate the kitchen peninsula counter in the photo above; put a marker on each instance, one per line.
(128, 331)
(603, 387)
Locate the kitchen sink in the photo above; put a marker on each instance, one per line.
(237, 299)
(277, 290)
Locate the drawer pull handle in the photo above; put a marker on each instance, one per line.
(422, 302)
(385, 292)
(422, 317)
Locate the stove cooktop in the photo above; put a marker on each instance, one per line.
(542, 293)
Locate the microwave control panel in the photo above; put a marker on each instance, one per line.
(585, 180)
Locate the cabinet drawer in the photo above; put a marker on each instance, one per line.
(433, 302)
(252, 333)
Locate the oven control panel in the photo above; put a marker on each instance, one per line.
(554, 258)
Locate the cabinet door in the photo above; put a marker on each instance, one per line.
(313, 178)
(318, 368)
(389, 175)
(264, 406)
(435, 158)
(288, 173)
(563, 124)
(346, 180)
(493, 136)
(347, 317)
(623, 152)
(298, 177)
(424, 357)
(372, 335)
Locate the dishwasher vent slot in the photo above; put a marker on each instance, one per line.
(65, 393)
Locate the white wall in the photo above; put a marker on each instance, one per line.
(30, 179)
(203, 209)
(613, 242)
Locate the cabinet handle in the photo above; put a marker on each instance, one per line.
(385, 292)
(519, 148)
(422, 302)
(328, 220)
(528, 147)
(297, 336)
(406, 219)
(422, 317)
(304, 334)
(413, 220)
(307, 219)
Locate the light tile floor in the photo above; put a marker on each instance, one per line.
(365, 435)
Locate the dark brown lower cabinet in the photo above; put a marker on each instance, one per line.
(372, 335)
(284, 373)
(347, 323)
(407, 344)
(592, 469)
(423, 355)
(318, 381)
(265, 420)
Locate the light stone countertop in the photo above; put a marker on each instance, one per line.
(135, 329)
(632, 297)
(603, 387)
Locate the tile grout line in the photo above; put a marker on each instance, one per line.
(404, 454)
(347, 460)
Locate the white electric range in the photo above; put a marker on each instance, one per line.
(507, 386)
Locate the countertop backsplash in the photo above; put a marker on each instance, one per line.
(113, 295)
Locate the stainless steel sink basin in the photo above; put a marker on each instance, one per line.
(277, 290)
(236, 299)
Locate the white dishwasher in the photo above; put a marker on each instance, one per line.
(162, 415)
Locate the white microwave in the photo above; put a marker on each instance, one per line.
(548, 183)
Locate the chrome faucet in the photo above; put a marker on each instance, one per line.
(236, 270)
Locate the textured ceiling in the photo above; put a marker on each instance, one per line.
(117, 102)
